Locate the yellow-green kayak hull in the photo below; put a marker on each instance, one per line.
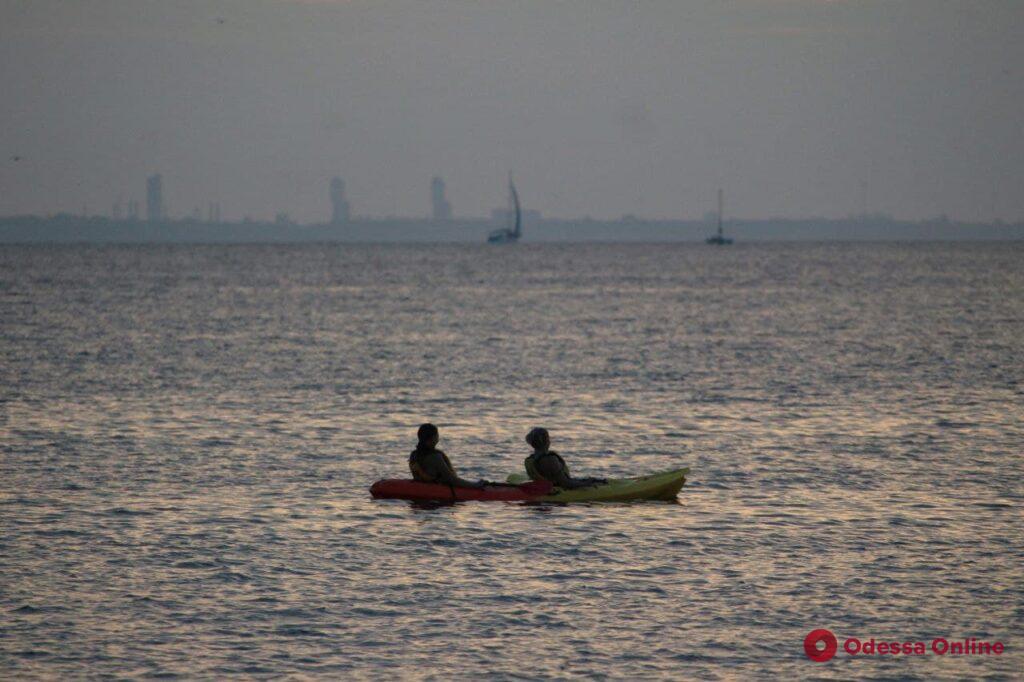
(663, 486)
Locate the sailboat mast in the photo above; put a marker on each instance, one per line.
(719, 211)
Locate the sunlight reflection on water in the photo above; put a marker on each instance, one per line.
(189, 433)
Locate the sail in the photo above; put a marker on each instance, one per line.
(514, 220)
(517, 231)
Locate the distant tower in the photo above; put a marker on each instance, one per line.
(340, 212)
(442, 209)
(155, 198)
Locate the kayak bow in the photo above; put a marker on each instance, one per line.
(662, 486)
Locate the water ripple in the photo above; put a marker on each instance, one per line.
(187, 435)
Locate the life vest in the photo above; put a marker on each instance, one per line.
(418, 472)
(531, 465)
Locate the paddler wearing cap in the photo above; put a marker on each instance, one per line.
(547, 465)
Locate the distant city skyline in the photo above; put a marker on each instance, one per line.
(340, 211)
(796, 107)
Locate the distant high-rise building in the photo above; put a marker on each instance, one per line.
(340, 208)
(442, 209)
(155, 198)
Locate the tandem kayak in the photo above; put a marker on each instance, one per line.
(662, 486)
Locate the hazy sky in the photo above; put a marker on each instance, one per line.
(795, 107)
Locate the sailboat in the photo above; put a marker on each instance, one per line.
(719, 239)
(509, 235)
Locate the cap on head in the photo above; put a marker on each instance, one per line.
(426, 432)
(538, 438)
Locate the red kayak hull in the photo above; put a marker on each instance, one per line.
(405, 489)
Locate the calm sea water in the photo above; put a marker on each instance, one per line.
(188, 434)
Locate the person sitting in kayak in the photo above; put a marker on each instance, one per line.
(430, 465)
(547, 465)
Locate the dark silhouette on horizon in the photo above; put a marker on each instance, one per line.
(340, 213)
(718, 238)
(155, 211)
(441, 208)
(510, 235)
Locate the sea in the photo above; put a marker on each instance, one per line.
(188, 435)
